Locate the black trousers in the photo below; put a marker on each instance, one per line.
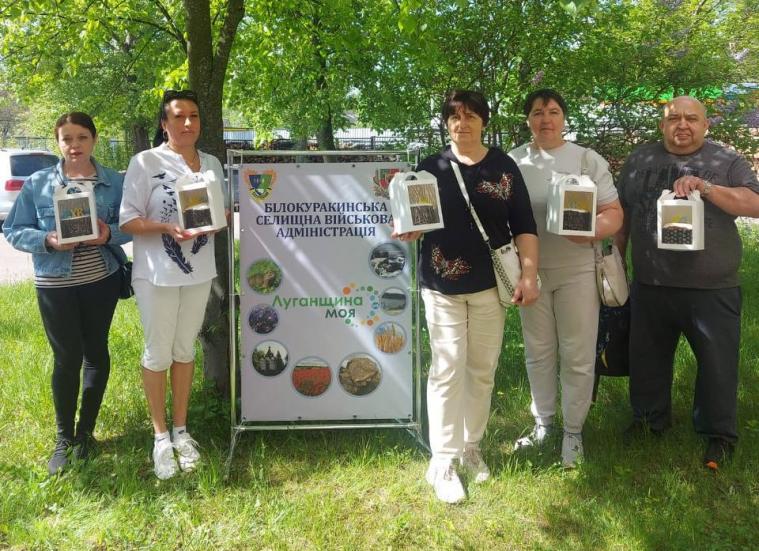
(77, 321)
(710, 320)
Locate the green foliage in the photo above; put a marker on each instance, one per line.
(308, 65)
(636, 56)
(105, 58)
(292, 64)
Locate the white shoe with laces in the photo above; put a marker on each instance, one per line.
(539, 436)
(571, 449)
(187, 451)
(474, 465)
(442, 475)
(164, 464)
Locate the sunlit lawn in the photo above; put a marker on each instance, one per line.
(364, 489)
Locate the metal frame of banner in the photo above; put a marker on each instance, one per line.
(235, 158)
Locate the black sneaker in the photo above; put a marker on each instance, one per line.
(639, 429)
(718, 452)
(84, 446)
(61, 455)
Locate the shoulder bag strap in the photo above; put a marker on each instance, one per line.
(597, 244)
(584, 163)
(457, 172)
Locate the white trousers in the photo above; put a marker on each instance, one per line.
(171, 320)
(562, 325)
(466, 332)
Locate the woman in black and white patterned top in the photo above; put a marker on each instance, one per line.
(172, 274)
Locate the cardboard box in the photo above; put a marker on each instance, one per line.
(571, 208)
(415, 202)
(76, 217)
(680, 221)
(200, 202)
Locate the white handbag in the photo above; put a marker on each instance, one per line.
(506, 264)
(611, 277)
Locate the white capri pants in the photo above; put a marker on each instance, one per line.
(171, 320)
(560, 332)
(466, 332)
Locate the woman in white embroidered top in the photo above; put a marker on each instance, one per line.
(172, 272)
(564, 320)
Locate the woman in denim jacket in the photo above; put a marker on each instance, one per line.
(77, 283)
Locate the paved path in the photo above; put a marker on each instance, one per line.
(17, 266)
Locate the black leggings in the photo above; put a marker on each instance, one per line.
(77, 321)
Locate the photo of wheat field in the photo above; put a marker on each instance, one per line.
(423, 201)
(389, 337)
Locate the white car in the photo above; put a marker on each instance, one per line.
(15, 166)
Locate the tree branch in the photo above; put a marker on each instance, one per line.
(176, 31)
(235, 13)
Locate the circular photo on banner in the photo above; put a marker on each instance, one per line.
(393, 301)
(360, 374)
(389, 337)
(263, 319)
(264, 276)
(311, 376)
(269, 358)
(387, 260)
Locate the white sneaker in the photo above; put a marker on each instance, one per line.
(571, 449)
(474, 464)
(445, 481)
(164, 464)
(538, 437)
(187, 451)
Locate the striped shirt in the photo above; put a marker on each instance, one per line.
(87, 266)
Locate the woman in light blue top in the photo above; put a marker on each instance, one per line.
(77, 283)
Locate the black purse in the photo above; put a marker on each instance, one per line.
(613, 345)
(125, 289)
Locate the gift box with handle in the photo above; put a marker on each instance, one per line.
(571, 208)
(680, 221)
(200, 202)
(415, 202)
(76, 217)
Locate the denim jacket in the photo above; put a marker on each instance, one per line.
(33, 217)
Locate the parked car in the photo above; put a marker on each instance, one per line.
(15, 166)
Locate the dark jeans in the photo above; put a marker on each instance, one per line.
(77, 321)
(710, 320)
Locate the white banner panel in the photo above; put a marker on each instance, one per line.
(325, 305)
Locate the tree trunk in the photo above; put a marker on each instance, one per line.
(325, 137)
(441, 133)
(207, 68)
(138, 136)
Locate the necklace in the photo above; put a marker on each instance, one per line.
(193, 163)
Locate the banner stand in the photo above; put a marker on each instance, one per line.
(413, 425)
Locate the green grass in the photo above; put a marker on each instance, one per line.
(364, 489)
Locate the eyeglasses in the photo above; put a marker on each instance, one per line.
(171, 95)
